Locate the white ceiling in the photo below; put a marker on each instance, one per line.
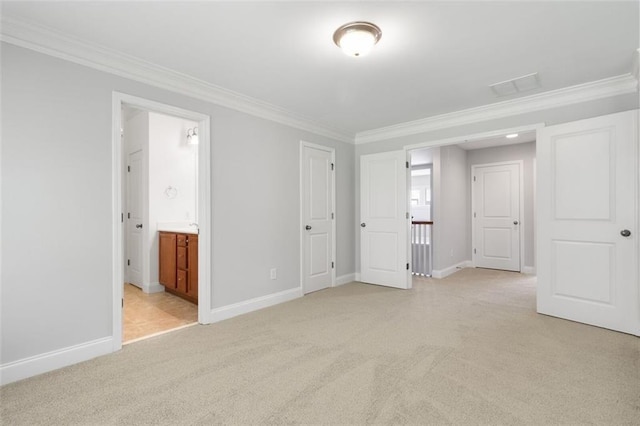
(425, 155)
(434, 57)
(523, 137)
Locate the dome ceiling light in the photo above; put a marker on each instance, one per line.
(357, 38)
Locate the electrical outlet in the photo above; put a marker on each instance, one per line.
(274, 273)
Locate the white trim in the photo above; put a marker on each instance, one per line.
(331, 150)
(358, 278)
(32, 366)
(152, 288)
(529, 270)
(204, 206)
(345, 279)
(443, 273)
(55, 43)
(117, 228)
(159, 333)
(240, 308)
(608, 87)
(521, 220)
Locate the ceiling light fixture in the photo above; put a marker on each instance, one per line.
(357, 38)
(512, 135)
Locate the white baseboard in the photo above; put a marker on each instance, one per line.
(529, 270)
(32, 366)
(345, 279)
(442, 273)
(153, 288)
(230, 311)
(357, 276)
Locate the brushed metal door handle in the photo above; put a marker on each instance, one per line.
(625, 233)
(364, 225)
(307, 227)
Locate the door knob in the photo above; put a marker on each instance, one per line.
(625, 233)
(363, 224)
(139, 226)
(515, 222)
(307, 227)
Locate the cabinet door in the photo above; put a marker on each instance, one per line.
(192, 283)
(181, 284)
(168, 259)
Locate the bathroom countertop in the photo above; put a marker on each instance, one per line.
(179, 230)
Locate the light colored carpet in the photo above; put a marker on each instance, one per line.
(468, 349)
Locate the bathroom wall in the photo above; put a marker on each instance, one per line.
(172, 180)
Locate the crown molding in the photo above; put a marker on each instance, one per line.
(54, 43)
(591, 91)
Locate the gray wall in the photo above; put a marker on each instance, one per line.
(56, 202)
(451, 206)
(527, 153)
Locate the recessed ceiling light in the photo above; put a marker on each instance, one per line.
(357, 38)
(512, 135)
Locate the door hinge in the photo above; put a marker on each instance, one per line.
(407, 216)
(331, 215)
(332, 166)
(122, 302)
(407, 266)
(128, 168)
(474, 178)
(474, 214)
(129, 215)
(474, 251)
(407, 163)
(332, 265)
(121, 217)
(128, 262)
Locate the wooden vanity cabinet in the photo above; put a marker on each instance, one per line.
(179, 264)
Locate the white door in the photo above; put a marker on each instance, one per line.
(496, 216)
(317, 217)
(384, 226)
(133, 264)
(587, 221)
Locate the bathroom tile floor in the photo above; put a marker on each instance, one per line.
(147, 314)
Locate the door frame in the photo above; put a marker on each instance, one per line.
(302, 169)
(204, 205)
(459, 140)
(521, 221)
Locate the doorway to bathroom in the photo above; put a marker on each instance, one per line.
(162, 281)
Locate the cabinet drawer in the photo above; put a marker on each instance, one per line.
(182, 258)
(182, 281)
(182, 240)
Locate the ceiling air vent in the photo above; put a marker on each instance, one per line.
(516, 85)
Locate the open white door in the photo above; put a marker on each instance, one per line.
(384, 221)
(133, 265)
(587, 221)
(496, 215)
